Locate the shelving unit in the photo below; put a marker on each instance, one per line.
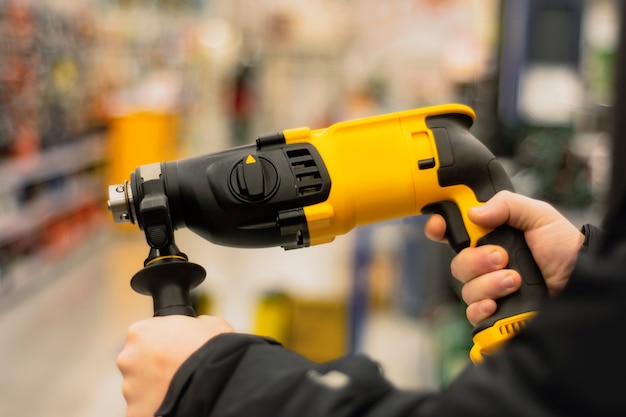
(49, 204)
(52, 155)
(65, 72)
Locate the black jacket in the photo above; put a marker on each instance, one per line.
(569, 361)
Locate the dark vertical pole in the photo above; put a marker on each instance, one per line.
(617, 196)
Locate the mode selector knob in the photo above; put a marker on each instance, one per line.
(254, 178)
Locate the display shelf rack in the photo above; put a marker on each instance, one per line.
(50, 204)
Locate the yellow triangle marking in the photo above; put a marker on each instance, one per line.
(250, 160)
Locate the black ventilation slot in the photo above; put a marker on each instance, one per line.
(305, 171)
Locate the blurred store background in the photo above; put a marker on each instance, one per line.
(89, 89)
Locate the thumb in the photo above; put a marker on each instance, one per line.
(518, 211)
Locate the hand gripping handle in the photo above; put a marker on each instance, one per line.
(515, 309)
(464, 160)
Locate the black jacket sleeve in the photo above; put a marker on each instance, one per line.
(245, 375)
(568, 361)
(594, 237)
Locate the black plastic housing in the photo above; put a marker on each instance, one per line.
(208, 194)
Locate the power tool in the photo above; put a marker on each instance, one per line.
(302, 187)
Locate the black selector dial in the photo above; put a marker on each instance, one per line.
(253, 178)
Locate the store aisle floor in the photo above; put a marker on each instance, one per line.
(58, 344)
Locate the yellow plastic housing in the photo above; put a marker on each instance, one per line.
(373, 165)
(492, 338)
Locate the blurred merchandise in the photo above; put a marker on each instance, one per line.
(452, 338)
(315, 328)
(274, 316)
(560, 175)
(138, 138)
(202, 302)
(51, 202)
(44, 93)
(51, 153)
(554, 78)
(241, 103)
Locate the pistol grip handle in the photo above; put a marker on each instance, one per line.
(533, 289)
(513, 310)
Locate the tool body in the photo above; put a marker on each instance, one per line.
(303, 187)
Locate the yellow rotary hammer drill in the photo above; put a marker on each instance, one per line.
(303, 187)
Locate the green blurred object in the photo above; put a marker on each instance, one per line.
(562, 175)
(453, 338)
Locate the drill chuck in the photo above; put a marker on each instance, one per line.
(121, 204)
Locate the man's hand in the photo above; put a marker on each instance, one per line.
(552, 239)
(154, 350)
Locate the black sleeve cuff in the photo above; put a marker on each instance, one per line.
(593, 237)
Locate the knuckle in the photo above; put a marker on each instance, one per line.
(126, 390)
(471, 292)
(471, 316)
(135, 328)
(123, 361)
(464, 265)
(458, 267)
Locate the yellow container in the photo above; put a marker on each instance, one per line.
(274, 314)
(319, 330)
(140, 138)
(316, 329)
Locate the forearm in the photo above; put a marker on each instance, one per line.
(239, 376)
(242, 375)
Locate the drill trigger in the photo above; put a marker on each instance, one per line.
(455, 228)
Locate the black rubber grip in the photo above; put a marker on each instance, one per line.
(533, 289)
(169, 284)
